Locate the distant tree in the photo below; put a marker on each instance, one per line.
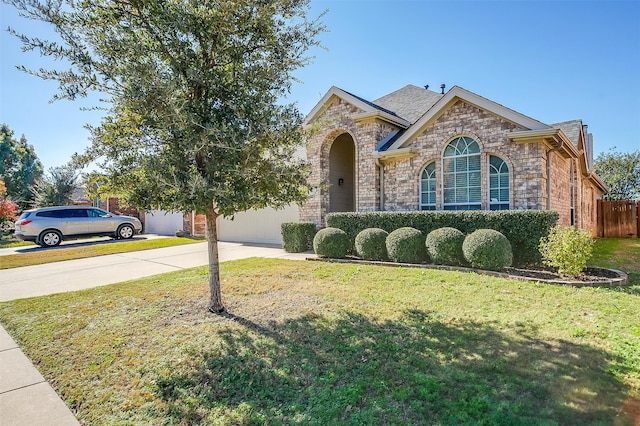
(197, 119)
(56, 187)
(19, 167)
(8, 210)
(620, 171)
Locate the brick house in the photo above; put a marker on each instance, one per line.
(415, 149)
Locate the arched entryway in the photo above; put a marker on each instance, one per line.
(342, 176)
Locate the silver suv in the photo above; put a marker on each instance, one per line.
(48, 226)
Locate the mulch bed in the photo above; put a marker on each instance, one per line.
(592, 277)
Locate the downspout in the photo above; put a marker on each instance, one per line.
(558, 148)
(193, 224)
(381, 167)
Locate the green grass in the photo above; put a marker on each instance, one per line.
(618, 253)
(7, 241)
(319, 343)
(48, 255)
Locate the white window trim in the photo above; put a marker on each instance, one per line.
(488, 183)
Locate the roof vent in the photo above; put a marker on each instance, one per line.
(442, 86)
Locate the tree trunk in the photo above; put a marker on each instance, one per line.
(215, 296)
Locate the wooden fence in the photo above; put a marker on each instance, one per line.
(618, 218)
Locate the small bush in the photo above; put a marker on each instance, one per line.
(297, 236)
(444, 246)
(487, 249)
(370, 244)
(567, 248)
(331, 242)
(406, 245)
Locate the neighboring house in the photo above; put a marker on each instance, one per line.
(415, 149)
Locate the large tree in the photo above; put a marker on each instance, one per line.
(196, 88)
(56, 187)
(620, 171)
(19, 167)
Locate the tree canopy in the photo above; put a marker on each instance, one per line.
(19, 167)
(197, 119)
(56, 187)
(620, 171)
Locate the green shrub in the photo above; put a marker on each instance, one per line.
(567, 248)
(487, 249)
(331, 242)
(406, 245)
(370, 244)
(444, 246)
(297, 236)
(523, 228)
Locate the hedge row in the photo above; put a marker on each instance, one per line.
(297, 236)
(523, 228)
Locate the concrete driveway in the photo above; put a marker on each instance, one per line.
(79, 274)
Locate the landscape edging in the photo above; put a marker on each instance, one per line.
(621, 280)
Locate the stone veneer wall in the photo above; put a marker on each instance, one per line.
(336, 120)
(402, 177)
(526, 161)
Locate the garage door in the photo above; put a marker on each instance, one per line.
(162, 222)
(257, 226)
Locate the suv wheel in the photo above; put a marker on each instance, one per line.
(125, 232)
(50, 238)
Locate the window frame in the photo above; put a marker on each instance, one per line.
(500, 203)
(457, 205)
(432, 176)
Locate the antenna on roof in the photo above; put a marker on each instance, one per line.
(442, 86)
(426, 86)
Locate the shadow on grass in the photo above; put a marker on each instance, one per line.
(414, 370)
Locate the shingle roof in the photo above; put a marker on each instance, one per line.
(376, 106)
(571, 129)
(410, 102)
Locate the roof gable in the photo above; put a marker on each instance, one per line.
(369, 109)
(458, 93)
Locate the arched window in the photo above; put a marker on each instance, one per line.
(498, 184)
(461, 181)
(428, 187)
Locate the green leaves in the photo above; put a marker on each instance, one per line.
(567, 248)
(19, 167)
(620, 171)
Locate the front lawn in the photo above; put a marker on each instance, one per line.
(321, 343)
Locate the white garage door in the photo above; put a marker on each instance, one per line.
(162, 222)
(257, 226)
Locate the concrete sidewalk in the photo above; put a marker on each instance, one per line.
(25, 396)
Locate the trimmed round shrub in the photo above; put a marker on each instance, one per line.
(406, 245)
(487, 249)
(331, 242)
(370, 244)
(444, 246)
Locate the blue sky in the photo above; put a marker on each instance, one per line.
(552, 61)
